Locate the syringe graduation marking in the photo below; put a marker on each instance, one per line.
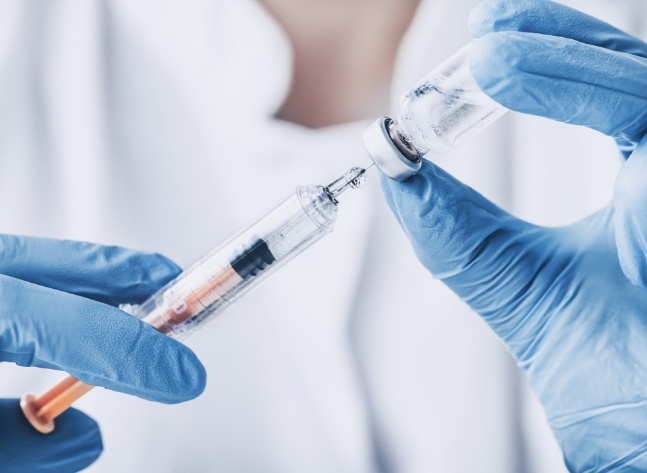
(244, 265)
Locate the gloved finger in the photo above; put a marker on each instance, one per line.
(94, 342)
(553, 19)
(564, 80)
(108, 274)
(471, 245)
(630, 200)
(75, 444)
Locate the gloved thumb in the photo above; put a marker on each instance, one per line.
(75, 444)
(485, 255)
(630, 200)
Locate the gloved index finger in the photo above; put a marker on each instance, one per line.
(104, 273)
(564, 80)
(551, 18)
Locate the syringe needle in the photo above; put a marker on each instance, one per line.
(353, 179)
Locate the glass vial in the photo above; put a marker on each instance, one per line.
(438, 113)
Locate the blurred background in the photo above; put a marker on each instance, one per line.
(167, 126)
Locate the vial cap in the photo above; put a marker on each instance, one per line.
(385, 154)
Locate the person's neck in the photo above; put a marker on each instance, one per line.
(344, 53)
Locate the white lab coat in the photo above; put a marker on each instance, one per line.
(149, 124)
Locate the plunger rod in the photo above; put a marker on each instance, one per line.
(41, 411)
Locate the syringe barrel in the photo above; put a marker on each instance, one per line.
(216, 281)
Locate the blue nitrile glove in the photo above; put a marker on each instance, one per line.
(543, 58)
(56, 312)
(74, 444)
(559, 300)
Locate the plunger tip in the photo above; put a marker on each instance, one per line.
(30, 407)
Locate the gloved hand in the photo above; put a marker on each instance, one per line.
(546, 59)
(57, 312)
(556, 296)
(558, 299)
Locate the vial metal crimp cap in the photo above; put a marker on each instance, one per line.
(385, 154)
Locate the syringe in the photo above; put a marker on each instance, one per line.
(212, 284)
